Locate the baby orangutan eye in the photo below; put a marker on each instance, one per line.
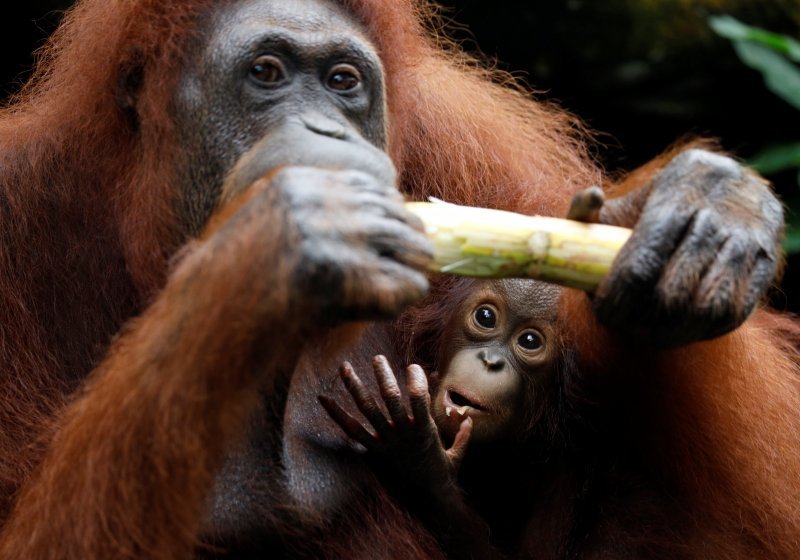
(486, 317)
(530, 341)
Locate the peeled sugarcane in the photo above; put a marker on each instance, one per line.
(495, 244)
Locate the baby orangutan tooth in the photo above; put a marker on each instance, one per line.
(448, 410)
(463, 410)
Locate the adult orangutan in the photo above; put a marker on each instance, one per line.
(197, 195)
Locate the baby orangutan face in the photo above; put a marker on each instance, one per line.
(498, 348)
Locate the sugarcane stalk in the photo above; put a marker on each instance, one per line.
(487, 243)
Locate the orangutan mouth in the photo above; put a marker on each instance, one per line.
(456, 402)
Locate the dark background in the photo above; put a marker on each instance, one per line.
(643, 73)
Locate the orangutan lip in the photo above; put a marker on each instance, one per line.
(456, 402)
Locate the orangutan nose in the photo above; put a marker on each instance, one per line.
(492, 360)
(315, 122)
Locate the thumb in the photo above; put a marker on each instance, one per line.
(586, 205)
(459, 448)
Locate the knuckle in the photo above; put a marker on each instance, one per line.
(698, 172)
(370, 407)
(674, 293)
(418, 392)
(391, 392)
(637, 267)
(714, 165)
(292, 175)
(704, 220)
(362, 267)
(356, 178)
(715, 301)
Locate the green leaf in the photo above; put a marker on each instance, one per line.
(791, 243)
(781, 76)
(733, 29)
(776, 159)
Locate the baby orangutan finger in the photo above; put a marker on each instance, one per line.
(351, 427)
(419, 397)
(459, 448)
(364, 400)
(390, 391)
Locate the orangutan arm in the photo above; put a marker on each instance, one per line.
(129, 468)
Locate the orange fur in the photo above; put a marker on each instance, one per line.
(715, 422)
(99, 459)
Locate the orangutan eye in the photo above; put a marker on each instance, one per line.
(343, 77)
(486, 317)
(267, 70)
(530, 340)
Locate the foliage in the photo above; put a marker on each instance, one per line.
(773, 55)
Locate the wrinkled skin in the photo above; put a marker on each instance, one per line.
(703, 251)
(321, 147)
(224, 107)
(200, 416)
(324, 156)
(292, 93)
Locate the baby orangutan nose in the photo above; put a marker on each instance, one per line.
(492, 360)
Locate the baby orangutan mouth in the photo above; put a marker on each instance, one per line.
(454, 401)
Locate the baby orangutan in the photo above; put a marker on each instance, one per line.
(493, 369)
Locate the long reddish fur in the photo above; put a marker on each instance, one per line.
(119, 465)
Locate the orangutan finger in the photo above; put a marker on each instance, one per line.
(364, 400)
(351, 427)
(390, 391)
(459, 448)
(586, 205)
(419, 396)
